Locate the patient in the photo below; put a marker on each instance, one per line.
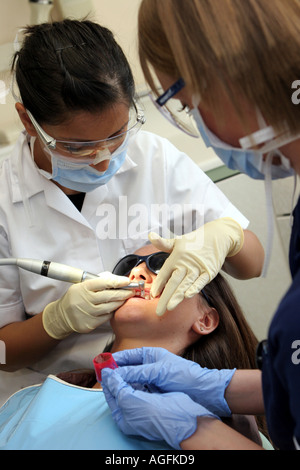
(209, 329)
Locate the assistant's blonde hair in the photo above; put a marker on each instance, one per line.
(250, 48)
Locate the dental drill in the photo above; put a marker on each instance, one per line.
(62, 272)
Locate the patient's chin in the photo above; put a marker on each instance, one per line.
(136, 306)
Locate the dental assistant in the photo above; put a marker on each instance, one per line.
(235, 64)
(72, 190)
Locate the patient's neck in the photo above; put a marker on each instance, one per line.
(121, 344)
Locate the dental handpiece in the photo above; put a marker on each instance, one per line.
(59, 271)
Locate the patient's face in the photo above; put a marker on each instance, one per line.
(137, 316)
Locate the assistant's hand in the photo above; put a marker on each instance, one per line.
(169, 416)
(171, 373)
(196, 258)
(85, 306)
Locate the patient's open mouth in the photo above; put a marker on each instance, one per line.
(143, 294)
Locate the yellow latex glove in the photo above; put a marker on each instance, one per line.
(85, 306)
(196, 258)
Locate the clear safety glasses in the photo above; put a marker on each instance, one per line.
(154, 263)
(173, 110)
(86, 152)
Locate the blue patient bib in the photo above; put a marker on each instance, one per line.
(60, 416)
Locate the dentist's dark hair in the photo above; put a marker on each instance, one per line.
(68, 66)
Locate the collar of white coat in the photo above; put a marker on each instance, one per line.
(24, 171)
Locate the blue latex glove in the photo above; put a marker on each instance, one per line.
(155, 416)
(170, 373)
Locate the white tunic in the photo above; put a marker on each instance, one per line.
(152, 191)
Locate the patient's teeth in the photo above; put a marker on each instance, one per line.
(142, 294)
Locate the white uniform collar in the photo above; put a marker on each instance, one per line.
(25, 179)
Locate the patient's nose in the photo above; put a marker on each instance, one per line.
(141, 273)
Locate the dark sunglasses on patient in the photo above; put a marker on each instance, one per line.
(154, 262)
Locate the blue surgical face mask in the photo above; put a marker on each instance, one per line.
(249, 162)
(82, 177)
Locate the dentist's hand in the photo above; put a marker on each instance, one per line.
(168, 416)
(85, 306)
(196, 258)
(171, 373)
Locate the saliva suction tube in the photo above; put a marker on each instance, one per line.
(62, 272)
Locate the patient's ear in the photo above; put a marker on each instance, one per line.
(207, 323)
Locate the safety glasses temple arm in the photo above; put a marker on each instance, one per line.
(49, 141)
